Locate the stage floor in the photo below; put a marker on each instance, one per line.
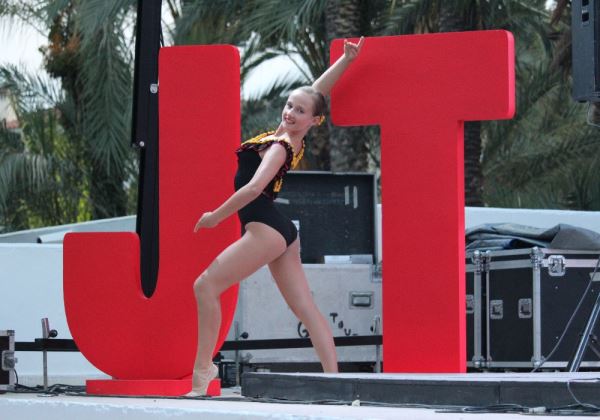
(321, 396)
(549, 389)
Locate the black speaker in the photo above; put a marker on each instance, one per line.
(585, 27)
(335, 211)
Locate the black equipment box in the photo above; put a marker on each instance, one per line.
(7, 360)
(523, 303)
(335, 212)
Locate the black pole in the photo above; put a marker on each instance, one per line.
(575, 361)
(145, 136)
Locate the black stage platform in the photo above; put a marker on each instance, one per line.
(549, 389)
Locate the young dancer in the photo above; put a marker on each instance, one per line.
(269, 237)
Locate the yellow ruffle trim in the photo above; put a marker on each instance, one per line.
(260, 139)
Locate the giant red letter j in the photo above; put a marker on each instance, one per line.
(117, 328)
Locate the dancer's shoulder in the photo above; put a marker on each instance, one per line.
(265, 140)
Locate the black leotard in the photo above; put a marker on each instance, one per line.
(262, 209)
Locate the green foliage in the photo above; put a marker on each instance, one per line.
(547, 155)
(75, 162)
(70, 160)
(40, 175)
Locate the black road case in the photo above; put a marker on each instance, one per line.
(530, 295)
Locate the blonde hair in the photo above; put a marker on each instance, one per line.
(318, 100)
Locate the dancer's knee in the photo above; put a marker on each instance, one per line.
(305, 311)
(202, 287)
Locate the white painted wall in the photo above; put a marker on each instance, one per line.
(31, 289)
(55, 234)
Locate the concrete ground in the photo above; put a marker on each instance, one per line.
(231, 405)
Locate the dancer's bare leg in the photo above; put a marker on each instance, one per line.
(290, 278)
(259, 245)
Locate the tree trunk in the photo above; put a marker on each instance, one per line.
(451, 20)
(347, 147)
(107, 195)
(595, 117)
(473, 173)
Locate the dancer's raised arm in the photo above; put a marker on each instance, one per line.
(325, 83)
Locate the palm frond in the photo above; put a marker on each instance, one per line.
(253, 55)
(107, 100)
(406, 17)
(210, 21)
(280, 21)
(19, 14)
(99, 20)
(27, 91)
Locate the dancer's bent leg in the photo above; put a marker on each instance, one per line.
(290, 278)
(259, 245)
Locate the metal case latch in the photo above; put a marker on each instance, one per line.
(496, 309)
(525, 308)
(556, 265)
(470, 304)
(8, 360)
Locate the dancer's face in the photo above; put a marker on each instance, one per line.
(297, 114)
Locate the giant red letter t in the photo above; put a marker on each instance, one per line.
(419, 90)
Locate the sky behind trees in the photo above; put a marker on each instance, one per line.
(20, 44)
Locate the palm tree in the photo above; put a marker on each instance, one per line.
(42, 178)
(524, 18)
(87, 37)
(89, 50)
(547, 156)
(89, 53)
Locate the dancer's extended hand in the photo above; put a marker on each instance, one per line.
(208, 220)
(351, 50)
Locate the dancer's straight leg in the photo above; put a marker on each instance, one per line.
(291, 280)
(259, 245)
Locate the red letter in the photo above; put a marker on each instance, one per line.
(115, 326)
(419, 90)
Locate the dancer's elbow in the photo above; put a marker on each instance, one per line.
(254, 189)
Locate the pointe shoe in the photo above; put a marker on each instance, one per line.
(200, 381)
